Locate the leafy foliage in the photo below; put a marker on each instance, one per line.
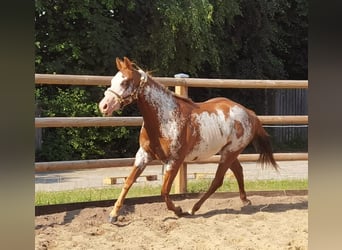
(79, 143)
(243, 39)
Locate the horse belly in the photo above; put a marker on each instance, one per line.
(204, 150)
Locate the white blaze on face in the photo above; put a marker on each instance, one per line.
(110, 102)
(166, 108)
(116, 83)
(217, 129)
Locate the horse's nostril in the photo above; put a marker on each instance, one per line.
(105, 106)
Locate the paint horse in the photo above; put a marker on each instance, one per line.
(176, 129)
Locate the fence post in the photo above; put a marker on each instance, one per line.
(38, 134)
(181, 178)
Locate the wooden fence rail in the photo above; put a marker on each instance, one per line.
(181, 87)
(169, 81)
(57, 122)
(41, 167)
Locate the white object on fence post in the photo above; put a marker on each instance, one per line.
(181, 178)
(181, 75)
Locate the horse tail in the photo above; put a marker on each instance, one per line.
(262, 144)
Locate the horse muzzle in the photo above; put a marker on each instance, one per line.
(108, 105)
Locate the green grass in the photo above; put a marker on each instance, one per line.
(92, 194)
(260, 185)
(95, 194)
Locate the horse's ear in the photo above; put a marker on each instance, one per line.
(128, 63)
(118, 63)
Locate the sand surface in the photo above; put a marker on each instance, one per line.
(269, 223)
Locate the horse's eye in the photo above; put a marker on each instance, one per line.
(125, 84)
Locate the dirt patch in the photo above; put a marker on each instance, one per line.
(269, 223)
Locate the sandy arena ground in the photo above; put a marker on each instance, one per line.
(269, 223)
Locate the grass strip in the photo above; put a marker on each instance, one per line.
(194, 186)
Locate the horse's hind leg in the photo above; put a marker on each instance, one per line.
(216, 183)
(238, 172)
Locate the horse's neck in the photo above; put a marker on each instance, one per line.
(157, 104)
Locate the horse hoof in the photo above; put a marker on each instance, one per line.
(191, 212)
(179, 211)
(246, 202)
(112, 219)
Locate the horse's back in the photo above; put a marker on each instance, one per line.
(220, 103)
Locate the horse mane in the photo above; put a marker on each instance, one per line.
(149, 73)
(183, 98)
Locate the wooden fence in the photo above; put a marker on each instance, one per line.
(290, 102)
(181, 87)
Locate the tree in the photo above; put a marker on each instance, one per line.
(77, 37)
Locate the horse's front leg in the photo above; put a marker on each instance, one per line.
(141, 160)
(170, 174)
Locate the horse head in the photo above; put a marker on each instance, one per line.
(125, 87)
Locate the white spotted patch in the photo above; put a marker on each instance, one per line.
(237, 113)
(214, 131)
(141, 158)
(217, 129)
(168, 166)
(166, 108)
